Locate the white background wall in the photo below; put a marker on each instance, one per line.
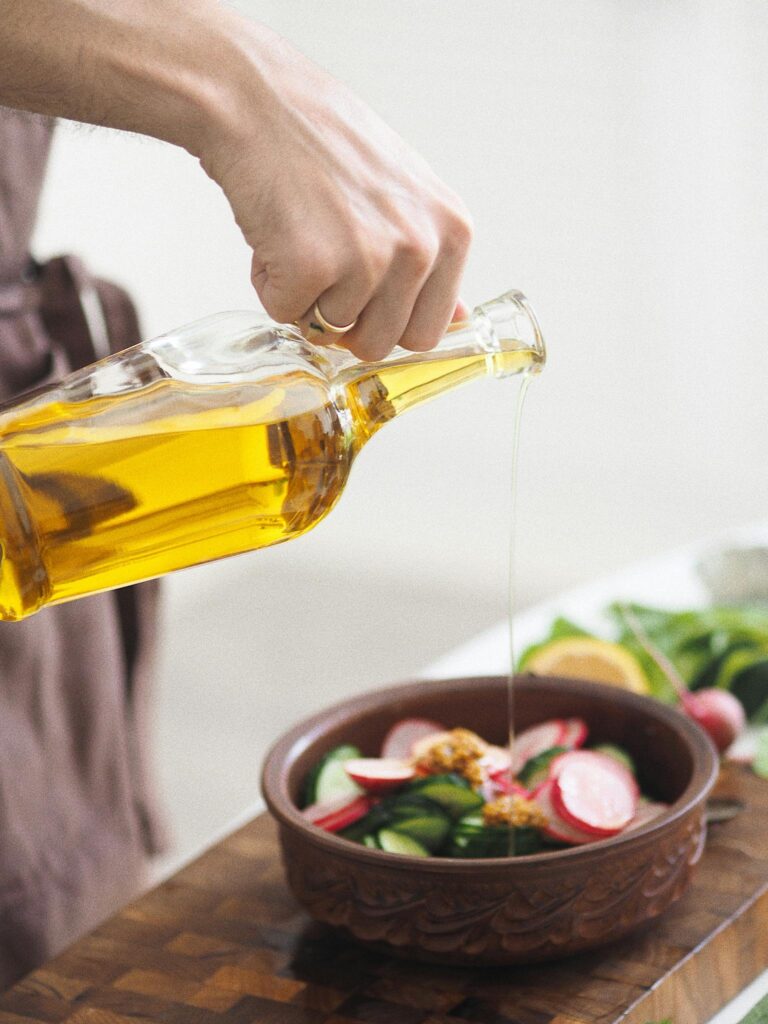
(615, 158)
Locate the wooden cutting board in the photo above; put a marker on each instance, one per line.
(223, 942)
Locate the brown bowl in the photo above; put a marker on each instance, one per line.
(501, 910)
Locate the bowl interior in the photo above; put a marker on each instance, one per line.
(667, 749)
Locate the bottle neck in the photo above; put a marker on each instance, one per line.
(500, 339)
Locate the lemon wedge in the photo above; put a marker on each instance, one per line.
(584, 657)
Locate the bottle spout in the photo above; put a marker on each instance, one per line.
(508, 325)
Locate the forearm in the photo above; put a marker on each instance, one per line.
(335, 207)
(157, 67)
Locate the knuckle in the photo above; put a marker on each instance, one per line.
(458, 231)
(419, 252)
(313, 270)
(371, 264)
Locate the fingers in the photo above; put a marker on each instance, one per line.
(461, 312)
(403, 294)
(384, 319)
(437, 303)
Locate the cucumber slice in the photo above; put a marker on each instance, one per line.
(425, 780)
(527, 840)
(470, 824)
(618, 754)
(378, 817)
(412, 805)
(471, 837)
(394, 842)
(536, 769)
(429, 830)
(452, 792)
(328, 780)
(390, 812)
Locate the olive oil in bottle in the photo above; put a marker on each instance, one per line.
(228, 435)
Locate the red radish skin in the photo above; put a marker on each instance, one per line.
(404, 735)
(336, 815)
(576, 733)
(593, 796)
(556, 828)
(503, 779)
(495, 766)
(718, 712)
(536, 740)
(379, 774)
(500, 784)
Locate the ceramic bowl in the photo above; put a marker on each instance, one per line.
(504, 910)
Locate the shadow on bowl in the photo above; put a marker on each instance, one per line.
(499, 910)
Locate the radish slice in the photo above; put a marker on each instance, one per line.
(536, 740)
(591, 795)
(607, 763)
(576, 733)
(379, 774)
(334, 815)
(646, 811)
(495, 760)
(403, 736)
(557, 829)
(500, 784)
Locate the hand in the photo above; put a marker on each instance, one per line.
(337, 209)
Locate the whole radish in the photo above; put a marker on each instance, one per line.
(718, 713)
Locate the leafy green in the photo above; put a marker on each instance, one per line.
(760, 763)
(725, 647)
(559, 630)
(751, 687)
(758, 1014)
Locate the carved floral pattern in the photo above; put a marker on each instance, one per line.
(519, 914)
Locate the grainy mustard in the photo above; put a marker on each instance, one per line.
(514, 810)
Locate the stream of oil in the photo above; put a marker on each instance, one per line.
(524, 381)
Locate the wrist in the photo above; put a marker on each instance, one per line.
(183, 86)
(218, 83)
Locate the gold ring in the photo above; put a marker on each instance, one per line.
(325, 326)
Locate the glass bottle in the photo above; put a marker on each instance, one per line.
(224, 436)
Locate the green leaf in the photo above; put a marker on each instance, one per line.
(751, 687)
(758, 1014)
(760, 763)
(559, 630)
(736, 661)
(702, 646)
(658, 682)
(563, 627)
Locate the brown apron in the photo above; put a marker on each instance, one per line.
(76, 819)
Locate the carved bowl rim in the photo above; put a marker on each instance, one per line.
(282, 756)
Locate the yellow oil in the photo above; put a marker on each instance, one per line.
(113, 490)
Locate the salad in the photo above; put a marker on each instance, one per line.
(448, 793)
